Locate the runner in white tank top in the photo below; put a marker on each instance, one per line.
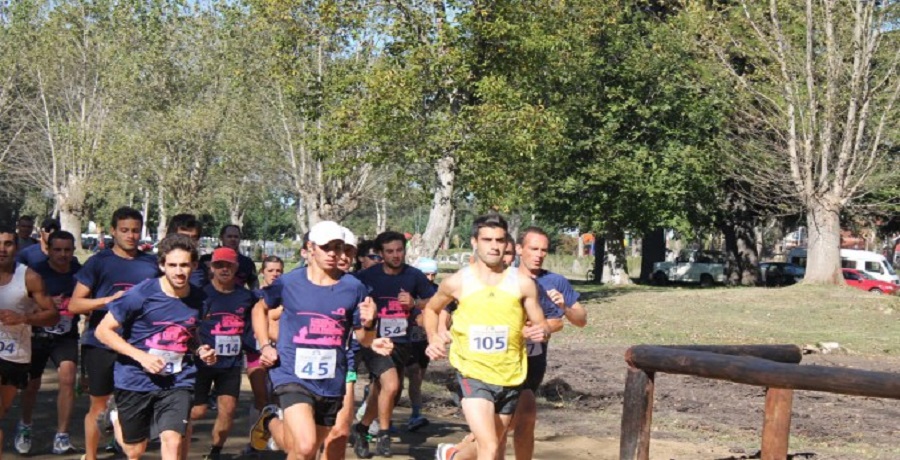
(23, 303)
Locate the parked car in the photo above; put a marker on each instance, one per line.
(691, 266)
(780, 273)
(862, 280)
(873, 263)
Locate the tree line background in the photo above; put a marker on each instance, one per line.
(725, 117)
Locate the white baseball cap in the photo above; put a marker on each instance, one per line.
(349, 237)
(325, 232)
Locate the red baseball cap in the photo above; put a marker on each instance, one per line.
(225, 255)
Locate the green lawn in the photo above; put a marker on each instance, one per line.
(861, 322)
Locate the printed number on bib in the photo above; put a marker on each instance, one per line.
(7, 347)
(172, 359)
(313, 364)
(228, 345)
(488, 339)
(62, 327)
(393, 327)
(534, 348)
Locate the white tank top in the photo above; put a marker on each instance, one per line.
(15, 341)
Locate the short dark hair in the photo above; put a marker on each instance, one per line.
(510, 240)
(226, 227)
(11, 231)
(272, 260)
(364, 247)
(532, 229)
(184, 221)
(60, 235)
(125, 213)
(25, 217)
(384, 238)
(173, 242)
(492, 220)
(50, 223)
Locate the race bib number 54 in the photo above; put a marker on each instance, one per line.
(313, 364)
(488, 339)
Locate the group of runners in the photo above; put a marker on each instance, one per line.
(171, 334)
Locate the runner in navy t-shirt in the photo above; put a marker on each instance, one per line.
(188, 225)
(58, 342)
(104, 278)
(37, 253)
(322, 305)
(224, 322)
(153, 329)
(397, 288)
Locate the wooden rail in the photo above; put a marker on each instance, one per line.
(772, 366)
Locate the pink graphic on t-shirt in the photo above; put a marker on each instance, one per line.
(394, 309)
(320, 330)
(123, 286)
(229, 324)
(63, 305)
(173, 338)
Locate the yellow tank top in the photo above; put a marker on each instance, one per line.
(487, 331)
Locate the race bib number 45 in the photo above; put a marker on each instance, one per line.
(228, 345)
(488, 339)
(313, 364)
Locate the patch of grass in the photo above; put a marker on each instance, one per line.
(861, 322)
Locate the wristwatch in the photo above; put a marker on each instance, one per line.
(263, 346)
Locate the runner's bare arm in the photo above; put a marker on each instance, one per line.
(107, 333)
(556, 324)
(576, 314)
(539, 330)
(274, 317)
(447, 292)
(260, 320)
(45, 313)
(82, 303)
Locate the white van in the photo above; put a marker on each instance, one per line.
(872, 263)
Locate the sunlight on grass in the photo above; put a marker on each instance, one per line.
(861, 322)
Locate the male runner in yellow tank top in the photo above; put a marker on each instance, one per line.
(488, 333)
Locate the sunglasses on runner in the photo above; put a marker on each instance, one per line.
(374, 257)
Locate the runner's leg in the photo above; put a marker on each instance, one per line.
(65, 400)
(299, 420)
(336, 442)
(485, 425)
(523, 425)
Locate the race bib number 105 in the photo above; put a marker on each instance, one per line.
(488, 339)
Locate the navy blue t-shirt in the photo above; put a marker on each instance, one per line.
(199, 276)
(547, 281)
(59, 286)
(393, 319)
(106, 274)
(224, 324)
(31, 256)
(313, 331)
(163, 326)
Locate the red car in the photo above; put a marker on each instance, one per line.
(862, 280)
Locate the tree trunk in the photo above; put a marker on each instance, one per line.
(599, 256)
(619, 265)
(300, 216)
(441, 210)
(580, 249)
(823, 263)
(653, 249)
(740, 248)
(236, 214)
(70, 202)
(381, 215)
(161, 227)
(145, 210)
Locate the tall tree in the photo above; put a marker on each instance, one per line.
(818, 85)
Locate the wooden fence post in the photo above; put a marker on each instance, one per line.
(777, 424)
(637, 414)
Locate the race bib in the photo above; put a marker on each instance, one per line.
(314, 364)
(393, 327)
(63, 326)
(8, 347)
(172, 360)
(534, 348)
(228, 345)
(488, 339)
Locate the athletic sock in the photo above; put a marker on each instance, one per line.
(215, 450)
(416, 411)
